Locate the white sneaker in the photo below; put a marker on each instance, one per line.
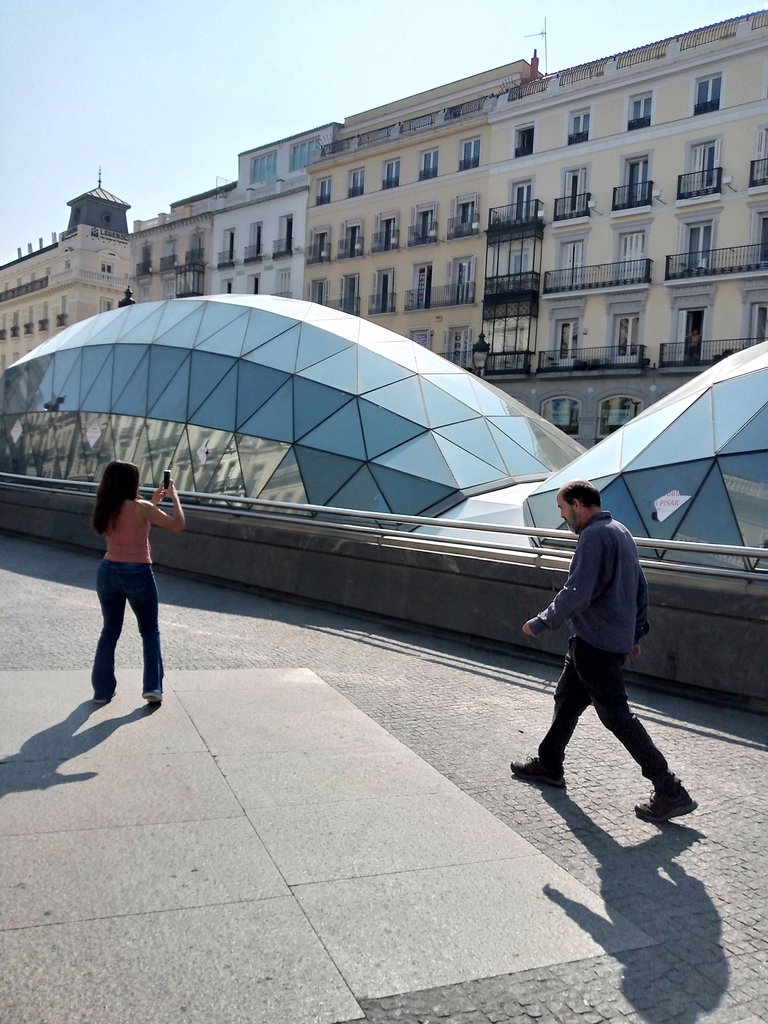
(153, 696)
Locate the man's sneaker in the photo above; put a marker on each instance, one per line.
(663, 806)
(535, 771)
(101, 700)
(153, 696)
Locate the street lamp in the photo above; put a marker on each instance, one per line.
(480, 351)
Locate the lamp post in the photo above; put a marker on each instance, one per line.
(480, 351)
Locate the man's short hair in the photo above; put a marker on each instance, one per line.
(584, 490)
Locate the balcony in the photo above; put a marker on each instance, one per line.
(630, 197)
(385, 241)
(706, 107)
(469, 163)
(319, 254)
(347, 304)
(3, 333)
(15, 330)
(512, 287)
(442, 295)
(568, 207)
(61, 319)
(575, 137)
(355, 190)
(322, 198)
(350, 247)
(226, 259)
(190, 280)
(42, 325)
(600, 275)
(390, 182)
(700, 183)
(506, 363)
(458, 228)
(427, 172)
(587, 360)
(758, 173)
(282, 247)
(144, 267)
(517, 218)
(194, 256)
(678, 353)
(378, 304)
(24, 289)
(420, 234)
(524, 149)
(638, 122)
(29, 328)
(253, 253)
(168, 262)
(738, 259)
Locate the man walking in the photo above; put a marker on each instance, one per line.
(604, 602)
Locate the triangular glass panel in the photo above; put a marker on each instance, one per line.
(429, 362)
(616, 499)
(228, 477)
(263, 327)
(39, 390)
(443, 408)
(208, 448)
(457, 385)
(640, 432)
(77, 334)
(67, 371)
(709, 519)
(168, 366)
(399, 351)
(551, 445)
(313, 404)
(492, 402)
(206, 371)
(475, 437)
(217, 316)
(468, 470)
(275, 417)
(518, 461)
(662, 493)
(735, 402)
(323, 473)
(342, 325)
(255, 384)
(180, 324)
(285, 483)
(164, 438)
(138, 323)
(96, 379)
(690, 436)
(104, 329)
(259, 458)
(341, 433)
(361, 492)
(409, 495)
(229, 340)
(339, 371)
(403, 397)
(131, 381)
(746, 481)
(420, 456)
(218, 409)
(315, 345)
(384, 430)
(752, 437)
(374, 371)
(182, 464)
(279, 353)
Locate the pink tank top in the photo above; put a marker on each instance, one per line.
(128, 540)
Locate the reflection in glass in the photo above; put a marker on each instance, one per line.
(563, 413)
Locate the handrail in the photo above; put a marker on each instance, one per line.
(387, 526)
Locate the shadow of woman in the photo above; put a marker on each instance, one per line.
(36, 765)
(684, 975)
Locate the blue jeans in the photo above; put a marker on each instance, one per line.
(116, 583)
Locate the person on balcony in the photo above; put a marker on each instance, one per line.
(693, 346)
(604, 603)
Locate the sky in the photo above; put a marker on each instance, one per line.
(164, 94)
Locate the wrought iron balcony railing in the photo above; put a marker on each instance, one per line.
(568, 207)
(144, 267)
(29, 328)
(575, 137)
(384, 241)
(638, 122)
(458, 228)
(392, 182)
(350, 247)
(194, 256)
(355, 190)
(758, 173)
(418, 235)
(512, 287)
(24, 289)
(168, 262)
(61, 319)
(322, 198)
(682, 354)
(226, 259)
(600, 275)
(525, 149)
(586, 360)
(469, 163)
(15, 330)
(347, 304)
(253, 253)
(319, 253)
(441, 295)
(700, 183)
(42, 325)
(378, 304)
(427, 172)
(738, 259)
(282, 247)
(505, 218)
(498, 363)
(629, 197)
(706, 107)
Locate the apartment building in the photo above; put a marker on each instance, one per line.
(172, 254)
(83, 271)
(397, 204)
(627, 239)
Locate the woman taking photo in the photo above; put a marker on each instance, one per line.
(126, 574)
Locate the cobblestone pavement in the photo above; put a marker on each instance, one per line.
(699, 888)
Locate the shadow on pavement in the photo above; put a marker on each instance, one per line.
(685, 974)
(36, 766)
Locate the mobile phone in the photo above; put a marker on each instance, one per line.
(166, 479)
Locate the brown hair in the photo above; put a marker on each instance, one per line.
(583, 490)
(119, 483)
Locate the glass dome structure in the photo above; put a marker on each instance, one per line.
(692, 467)
(272, 398)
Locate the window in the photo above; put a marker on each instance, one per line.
(106, 268)
(303, 153)
(615, 412)
(579, 131)
(625, 336)
(562, 413)
(457, 348)
(420, 337)
(699, 245)
(323, 191)
(383, 298)
(105, 305)
(572, 254)
(707, 95)
(524, 141)
(567, 335)
(255, 284)
(705, 157)
(254, 249)
(169, 288)
(284, 283)
(429, 164)
(639, 113)
(575, 199)
(631, 246)
(391, 176)
(758, 168)
(356, 183)
(264, 169)
(470, 154)
(318, 292)
(522, 193)
(350, 294)
(636, 190)
(759, 322)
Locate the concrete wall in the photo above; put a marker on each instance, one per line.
(702, 639)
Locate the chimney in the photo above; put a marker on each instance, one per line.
(29, 247)
(53, 237)
(534, 67)
(39, 243)
(18, 250)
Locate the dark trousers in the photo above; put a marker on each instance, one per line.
(592, 676)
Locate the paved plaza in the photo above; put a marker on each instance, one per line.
(319, 825)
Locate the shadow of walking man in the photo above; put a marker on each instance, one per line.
(684, 975)
(36, 765)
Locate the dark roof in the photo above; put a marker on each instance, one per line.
(100, 193)
(210, 194)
